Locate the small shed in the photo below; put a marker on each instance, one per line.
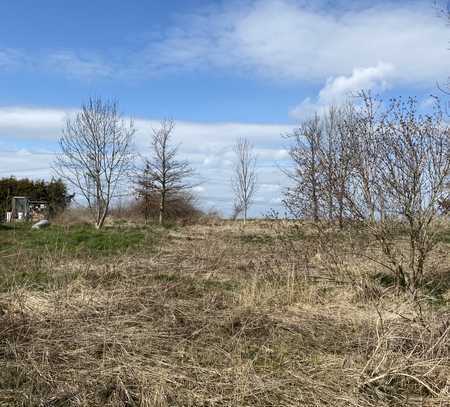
(23, 209)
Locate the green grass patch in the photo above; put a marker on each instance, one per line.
(186, 286)
(253, 238)
(444, 237)
(385, 279)
(29, 257)
(80, 239)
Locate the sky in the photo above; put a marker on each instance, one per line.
(221, 69)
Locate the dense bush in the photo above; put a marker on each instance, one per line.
(181, 206)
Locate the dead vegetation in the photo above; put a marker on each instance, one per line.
(222, 316)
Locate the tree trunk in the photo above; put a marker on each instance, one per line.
(341, 215)
(98, 218)
(330, 204)
(162, 207)
(315, 203)
(341, 206)
(101, 220)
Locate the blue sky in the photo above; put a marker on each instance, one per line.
(221, 69)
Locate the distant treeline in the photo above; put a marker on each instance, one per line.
(53, 192)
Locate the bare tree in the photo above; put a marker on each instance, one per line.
(335, 156)
(96, 154)
(365, 194)
(326, 152)
(163, 174)
(303, 198)
(328, 159)
(244, 180)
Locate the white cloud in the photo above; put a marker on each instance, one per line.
(271, 154)
(284, 39)
(361, 78)
(30, 117)
(32, 124)
(25, 163)
(212, 138)
(337, 90)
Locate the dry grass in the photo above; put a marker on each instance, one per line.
(220, 316)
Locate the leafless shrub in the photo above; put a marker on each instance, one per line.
(402, 163)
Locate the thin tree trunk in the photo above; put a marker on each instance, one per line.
(162, 207)
(341, 207)
(101, 221)
(315, 203)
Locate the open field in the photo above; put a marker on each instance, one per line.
(213, 315)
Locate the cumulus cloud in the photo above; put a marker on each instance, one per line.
(338, 89)
(361, 78)
(208, 146)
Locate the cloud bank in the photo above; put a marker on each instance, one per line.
(208, 146)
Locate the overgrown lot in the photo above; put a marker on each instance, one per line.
(214, 315)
